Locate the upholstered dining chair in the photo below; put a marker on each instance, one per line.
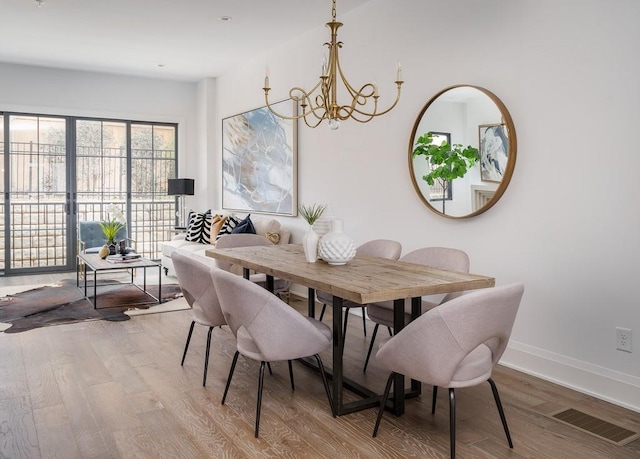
(280, 286)
(268, 330)
(455, 345)
(194, 277)
(437, 257)
(383, 248)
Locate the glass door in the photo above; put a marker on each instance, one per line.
(36, 197)
(126, 165)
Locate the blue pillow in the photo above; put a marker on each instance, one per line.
(244, 226)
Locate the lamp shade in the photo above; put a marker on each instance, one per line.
(180, 186)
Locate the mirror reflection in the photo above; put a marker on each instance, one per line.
(462, 151)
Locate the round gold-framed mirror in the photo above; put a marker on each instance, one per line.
(462, 151)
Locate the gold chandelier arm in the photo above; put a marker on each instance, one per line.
(299, 96)
(279, 115)
(375, 112)
(361, 98)
(312, 125)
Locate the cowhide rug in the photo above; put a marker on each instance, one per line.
(64, 303)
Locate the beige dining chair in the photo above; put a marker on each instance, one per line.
(194, 277)
(268, 330)
(280, 286)
(437, 257)
(455, 345)
(383, 248)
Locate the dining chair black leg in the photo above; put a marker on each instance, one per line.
(494, 389)
(383, 402)
(364, 322)
(293, 387)
(260, 384)
(186, 346)
(206, 357)
(452, 422)
(326, 384)
(390, 331)
(433, 399)
(373, 338)
(324, 307)
(233, 367)
(269, 367)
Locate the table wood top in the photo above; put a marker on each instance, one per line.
(98, 264)
(363, 280)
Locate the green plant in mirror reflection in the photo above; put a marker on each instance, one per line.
(446, 162)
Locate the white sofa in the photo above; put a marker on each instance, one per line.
(263, 225)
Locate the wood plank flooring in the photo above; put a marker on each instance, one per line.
(116, 390)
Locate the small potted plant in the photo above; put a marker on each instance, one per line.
(312, 213)
(112, 226)
(310, 240)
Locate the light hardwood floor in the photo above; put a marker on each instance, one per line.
(116, 389)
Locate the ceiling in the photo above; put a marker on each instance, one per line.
(170, 39)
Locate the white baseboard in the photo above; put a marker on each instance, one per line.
(599, 382)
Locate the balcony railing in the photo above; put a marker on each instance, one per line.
(38, 232)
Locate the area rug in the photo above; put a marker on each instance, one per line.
(64, 303)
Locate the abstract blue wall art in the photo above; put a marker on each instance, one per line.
(259, 161)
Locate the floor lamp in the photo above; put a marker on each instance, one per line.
(181, 187)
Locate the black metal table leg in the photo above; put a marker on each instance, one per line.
(398, 380)
(416, 310)
(95, 289)
(338, 342)
(311, 303)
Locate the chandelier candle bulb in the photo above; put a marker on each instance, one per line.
(399, 76)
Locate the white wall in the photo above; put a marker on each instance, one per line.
(568, 224)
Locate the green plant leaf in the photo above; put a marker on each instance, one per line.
(311, 213)
(448, 161)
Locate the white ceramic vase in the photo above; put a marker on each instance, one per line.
(323, 224)
(310, 245)
(335, 247)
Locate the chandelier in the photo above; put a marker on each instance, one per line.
(320, 103)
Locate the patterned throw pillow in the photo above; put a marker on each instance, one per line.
(244, 226)
(274, 238)
(199, 227)
(229, 224)
(216, 226)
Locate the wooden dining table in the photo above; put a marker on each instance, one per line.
(363, 280)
